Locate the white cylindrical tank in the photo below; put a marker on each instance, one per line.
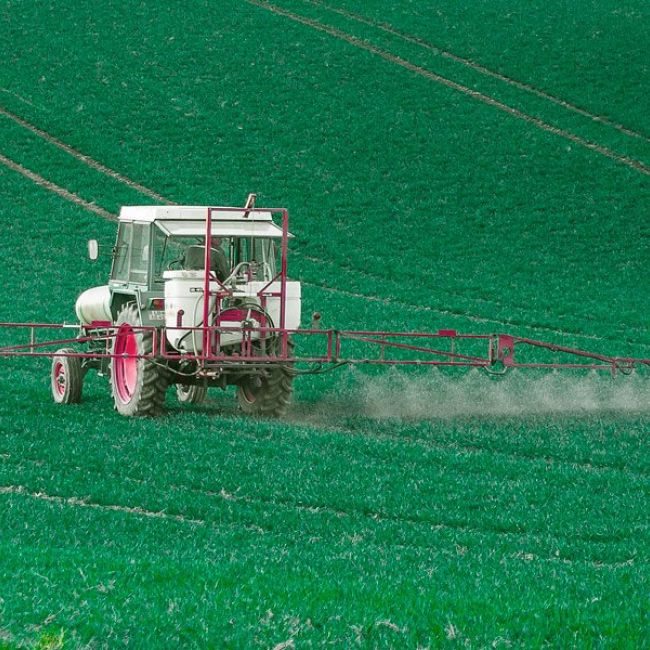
(184, 309)
(184, 292)
(94, 305)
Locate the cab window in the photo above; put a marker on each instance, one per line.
(259, 250)
(138, 271)
(122, 250)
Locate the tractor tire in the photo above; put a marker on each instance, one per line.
(192, 394)
(267, 395)
(138, 385)
(66, 377)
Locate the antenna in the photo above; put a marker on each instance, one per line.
(250, 204)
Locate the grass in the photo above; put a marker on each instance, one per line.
(365, 521)
(389, 509)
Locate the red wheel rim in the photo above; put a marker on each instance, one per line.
(59, 377)
(125, 375)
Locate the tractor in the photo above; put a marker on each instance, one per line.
(199, 297)
(153, 309)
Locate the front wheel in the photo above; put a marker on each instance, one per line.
(138, 384)
(66, 377)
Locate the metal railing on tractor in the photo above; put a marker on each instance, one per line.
(225, 292)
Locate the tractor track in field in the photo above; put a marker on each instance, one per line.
(484, 70)
(453, 85)
(544, 461)
(87, 160)
(293, 505)
(82, 502)
(56, 189)
(380, 518)
(431, 525)
(79, 502)
(455, 313)
(474, 319)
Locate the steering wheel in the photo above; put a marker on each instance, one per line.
(172, 265)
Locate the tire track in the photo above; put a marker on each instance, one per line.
(534, 462)
(81, 502)
(469, 63)
(87, 160)
(20, 490)
(56, 189)
(453, 85)
(500, 532)
(462, 314)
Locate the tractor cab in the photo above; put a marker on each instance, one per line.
(150, 243)
(159, 265)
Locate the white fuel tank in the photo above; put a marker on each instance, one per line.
(94, 305)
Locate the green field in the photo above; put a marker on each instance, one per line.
(477, 166)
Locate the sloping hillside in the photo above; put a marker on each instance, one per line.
(444, 165)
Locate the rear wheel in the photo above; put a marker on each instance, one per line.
(66, 377)
(267, 394)
(138, 385)
(193, 394)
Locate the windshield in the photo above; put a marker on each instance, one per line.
(187, 252)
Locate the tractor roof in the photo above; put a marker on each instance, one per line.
(190, 212)
(190, 220)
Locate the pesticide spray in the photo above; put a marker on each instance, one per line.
(440, 395)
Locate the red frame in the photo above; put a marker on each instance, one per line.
(223, 292)
(499, 350)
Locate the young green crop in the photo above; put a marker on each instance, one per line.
(389, 509)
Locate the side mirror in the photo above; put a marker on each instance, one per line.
(93, 249)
